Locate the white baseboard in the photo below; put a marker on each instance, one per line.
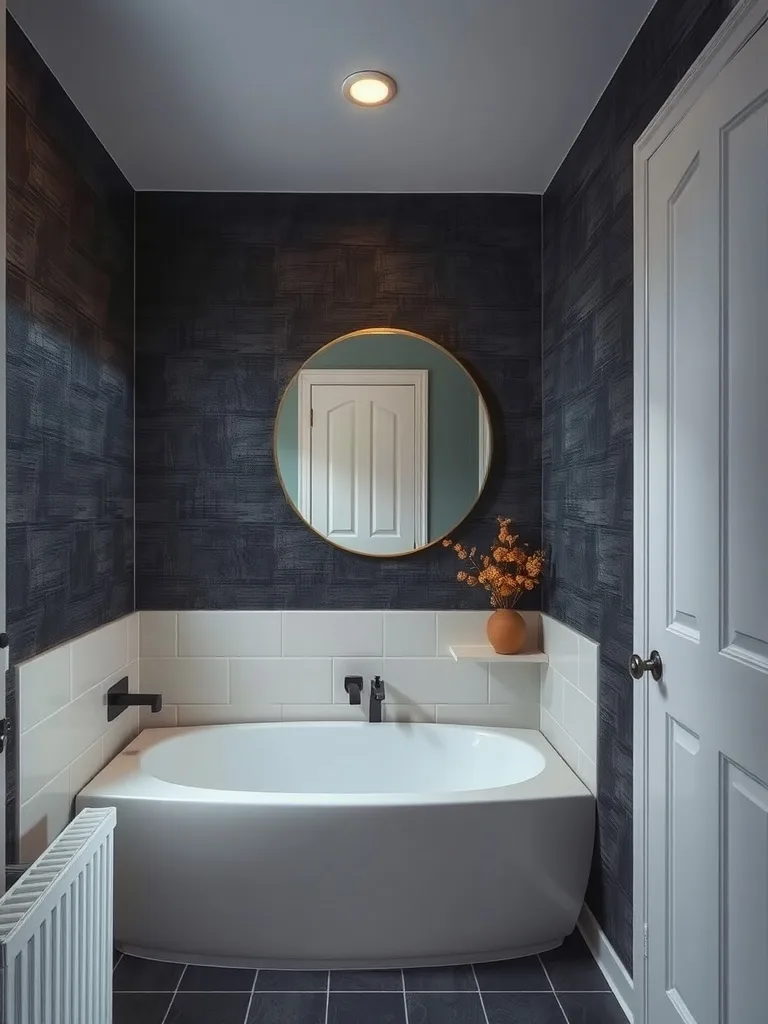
(614, 970)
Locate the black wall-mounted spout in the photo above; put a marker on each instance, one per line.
(118, 699)
(354, 687)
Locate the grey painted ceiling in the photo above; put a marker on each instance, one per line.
(246, 94)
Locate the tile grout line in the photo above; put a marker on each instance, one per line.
(250, 999)
(117, 963)
(327, 998)
(175, 993)
(479, 992)
(405, 998)
(557, 997)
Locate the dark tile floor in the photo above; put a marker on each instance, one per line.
(563, 986)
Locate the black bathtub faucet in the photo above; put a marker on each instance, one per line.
(354, 687)
(118, 699)
(377, 699)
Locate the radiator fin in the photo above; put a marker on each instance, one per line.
(56, 929)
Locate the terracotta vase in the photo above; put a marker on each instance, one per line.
(506, 631)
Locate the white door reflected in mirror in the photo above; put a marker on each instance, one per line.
(382, 442)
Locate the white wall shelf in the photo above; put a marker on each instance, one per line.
(484, 652)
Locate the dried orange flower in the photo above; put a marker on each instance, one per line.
(505, 585)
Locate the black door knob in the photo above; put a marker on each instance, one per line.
(638, 667)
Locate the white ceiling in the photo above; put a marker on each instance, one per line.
(246, 94)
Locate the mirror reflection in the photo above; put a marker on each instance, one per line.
(383, 442)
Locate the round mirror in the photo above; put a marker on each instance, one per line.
(382, 442)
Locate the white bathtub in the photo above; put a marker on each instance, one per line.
(344, 845)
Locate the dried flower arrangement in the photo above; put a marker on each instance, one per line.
(507, 572)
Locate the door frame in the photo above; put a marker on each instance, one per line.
(419, 380)
(734, 33)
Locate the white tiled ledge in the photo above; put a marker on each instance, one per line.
(485, 653)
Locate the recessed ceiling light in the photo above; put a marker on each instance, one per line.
(369, 88)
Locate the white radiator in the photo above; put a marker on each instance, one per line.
(56, 930)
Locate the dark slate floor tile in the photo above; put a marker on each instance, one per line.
(216, 979)
(445, 1008)
(572, 968)
(140, 1007)
(522, 1008)
(287, 1008)
(208, 1008)
(523, 975)
(366, 981)
(133, 974)
(592, 1008)
(366, 1008)
(440, 979)
(292, 981)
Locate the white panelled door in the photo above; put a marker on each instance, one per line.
(363, 466)
(707, 555)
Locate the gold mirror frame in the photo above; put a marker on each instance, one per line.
(294, 379)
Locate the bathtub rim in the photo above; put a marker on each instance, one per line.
(123, 778)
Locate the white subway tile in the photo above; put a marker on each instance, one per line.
(324, 713)
(44, 686)
(560, 740)
(368, 668)
(461, 628)
(409, 713)
(120, 733)
(84, 768)
(159, 634)
(588, 772)
(589, 655)
(43, 817)
(227, 714)
(512, 684)
(165, 719)
(410, 634)
(187, 680)
(133, 637)
(500, 716)
(580, 719)
(50, 746)
(552, 693)
(333, 634)
(98, 654)
(435, 681)
(561, 643)
(243, 634)
(281, 680)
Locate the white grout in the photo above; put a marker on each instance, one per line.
(480, 993)
(405, 998)
(175, 992)
(557, 997)
(250, 1000)
(327, 997)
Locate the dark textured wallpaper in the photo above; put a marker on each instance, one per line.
(70, 367)
(587, 408)
(233, 293)
(70, 371)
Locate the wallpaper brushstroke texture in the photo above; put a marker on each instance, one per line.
(70, 368)
(587, 408)
(233, 293)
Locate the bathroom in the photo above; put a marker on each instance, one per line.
(325, 791)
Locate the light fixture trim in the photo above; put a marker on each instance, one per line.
(356, 95)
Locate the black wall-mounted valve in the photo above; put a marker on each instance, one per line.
(354, 687)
